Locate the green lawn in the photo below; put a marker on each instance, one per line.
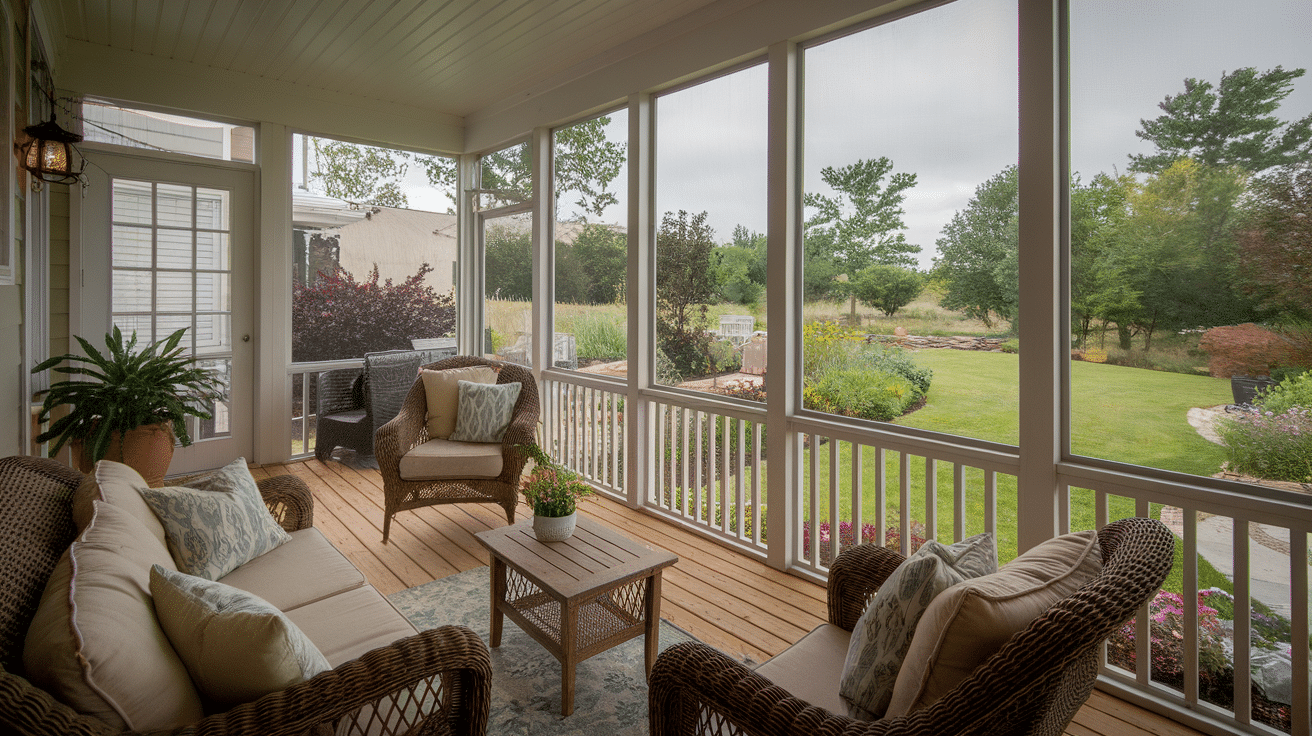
(1125, 414)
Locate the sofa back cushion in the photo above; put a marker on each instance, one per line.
(120, 486)
(442, 395)
(95, 643)
(970, 621)
(35, 530)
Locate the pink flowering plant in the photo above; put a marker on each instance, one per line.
(847, 538)
(551, 489)
(1270, 445)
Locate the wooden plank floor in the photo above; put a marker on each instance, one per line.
(732, 602)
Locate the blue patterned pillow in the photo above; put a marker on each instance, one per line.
(484, 411)
(883, 634)
(215, 523)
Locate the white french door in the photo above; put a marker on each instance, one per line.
(168, 245)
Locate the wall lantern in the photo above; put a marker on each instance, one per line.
(50, 154)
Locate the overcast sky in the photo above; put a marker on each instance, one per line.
(936, 93)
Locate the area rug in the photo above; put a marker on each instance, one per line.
(610, 689)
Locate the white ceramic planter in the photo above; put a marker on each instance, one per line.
(554, 528)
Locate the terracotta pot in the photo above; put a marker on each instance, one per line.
(147, 450)
(554, 528)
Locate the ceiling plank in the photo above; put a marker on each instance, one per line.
(212, 33)
(337, 31)
(249, 16)
(278, 26)
(352, 14)
(96, 21)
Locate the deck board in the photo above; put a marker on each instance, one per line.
(729, 600)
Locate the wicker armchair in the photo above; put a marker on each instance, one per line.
(410, 429)
(446, 669)
(353, 402)
(1032, 686)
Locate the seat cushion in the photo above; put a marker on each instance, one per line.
(970, 621)
(95, 643)
(236, 646)
(442, 394)
(304, 570)
(438, 459)
(216, 523)
(810, 668)
(883, 634)
(349, 624)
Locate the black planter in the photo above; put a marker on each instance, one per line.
(1246, 388)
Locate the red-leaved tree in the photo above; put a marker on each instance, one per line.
(338, 317)
(1277, 248)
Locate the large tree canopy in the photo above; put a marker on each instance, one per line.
(1277, 245)
(861, 223)
(978, 251)
(359, 173)
(1230, 124)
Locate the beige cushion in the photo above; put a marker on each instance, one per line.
(349, 624)
(486, 411)
(118, 485)
(443, 395)
(236, 646)
(437, 459)
(306, 569)
(883, 634)
(970, 621)
(95, 644)
(810, 668)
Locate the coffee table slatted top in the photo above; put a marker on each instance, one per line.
(592, 557)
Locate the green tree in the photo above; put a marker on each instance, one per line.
(978, 252)
(586, 164)
(733, 275)
(1276, 245)
(359, 173)
(1098, 288)
(1230, 124)
(887, 288)
(508, 263)
(685, 285)
(592, 268)
(861, 224)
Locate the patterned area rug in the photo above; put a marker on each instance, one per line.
(610, 689)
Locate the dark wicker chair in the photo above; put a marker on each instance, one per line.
(447, 669)
(1032, 686)
(410, 429)
(353, 402)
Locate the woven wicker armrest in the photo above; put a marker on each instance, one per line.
(289, 500)
(404, 431)
(696, 689)
(854, 577)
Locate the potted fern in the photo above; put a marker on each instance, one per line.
(130, 405)
(553, 492)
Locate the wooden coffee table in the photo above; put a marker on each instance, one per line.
(578, 597)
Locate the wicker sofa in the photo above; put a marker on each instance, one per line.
(387, 679)
(1032, 686)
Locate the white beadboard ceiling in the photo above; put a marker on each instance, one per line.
(449, 56)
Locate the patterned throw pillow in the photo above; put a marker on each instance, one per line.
(883, 633)
(485, 411)
(216, 523)
(236, 645)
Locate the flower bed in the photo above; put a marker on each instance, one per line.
(892, 538)
(1270, 633)
(1270, 445)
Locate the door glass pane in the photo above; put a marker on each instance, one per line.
(221, 424)
(173, 291)
(173, 205)
(213, 292)
(212, 251)
(131, 291)
(131, 246)
(131, 202)
(508, 263)
(140, 324)
(212, 209)
(174, 249)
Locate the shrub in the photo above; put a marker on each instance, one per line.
(864, 394)
(685, 284)
(338, 317)
(1268, 445)
(887, 288)
(1244, 350)
(1013, 346)
(1292, 391)
(828, 347)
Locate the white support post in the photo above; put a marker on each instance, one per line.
(1041, 303)
(469, 288)
(783, 304)
(273, 395)
(544, 219)
(640, 431)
